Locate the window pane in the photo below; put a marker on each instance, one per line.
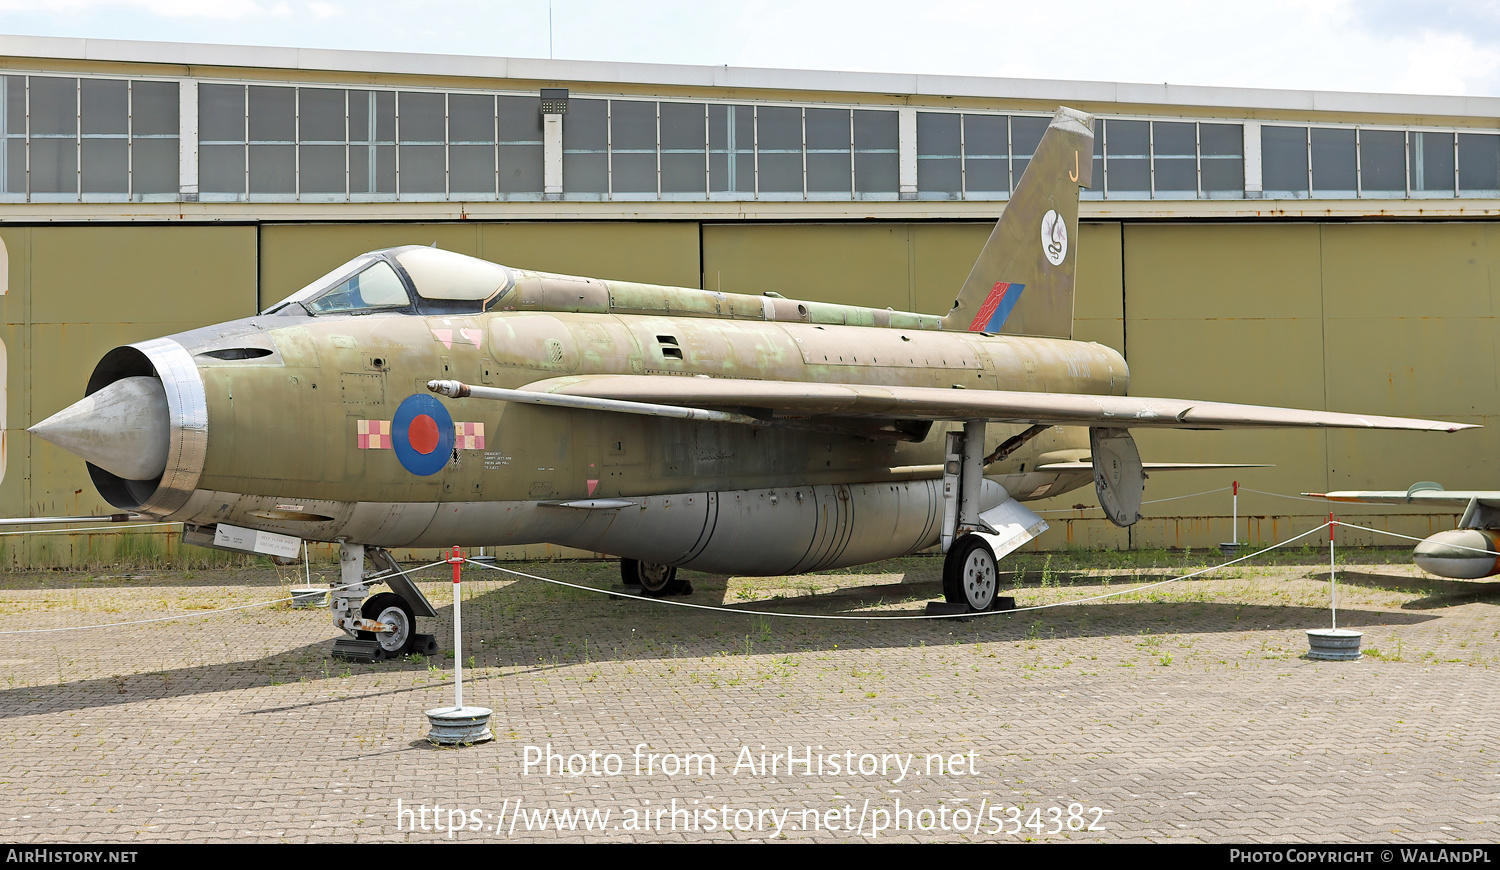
(829, 173)
(683, 167)
(471, 118)
(221, 113)
(1126, 147)
(15, 163)
(876, 173)
(875, 130)
(359, 116)
(105, 106)
(422, 168)
(520, 119)
(1332, 160)
(632, 127)
(986, 135)
(829, 170)
(1284, 159)
(321, 115)
(585, 163)
(421, 119)
(105, 166)
(682, 126)
(634, 173)
(1221, 140)
(827, 129)
(322, 167)
(779, 128)
(273, 115)
(1025, 135)
(221, 168)
(154, 108)
(54, 166)
(585, 172)
(15, 105)
(876, 168)
(471, 168)
(521, 168)
(1382, 160)
(385, 126)
(1223, 174)
(938, 166)
(780, 173)
(1478, 161)
(1175, 145)
(683, 173)
(54, 106)
(154, 166)
(1432, 162)
(361, 168)
(1173, 139)
(385, 169)
(273, 169)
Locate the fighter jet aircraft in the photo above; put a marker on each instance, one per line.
(1470, 552)
(418, 398)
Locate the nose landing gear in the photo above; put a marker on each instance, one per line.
(386, 627)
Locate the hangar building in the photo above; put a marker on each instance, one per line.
(1322, 250)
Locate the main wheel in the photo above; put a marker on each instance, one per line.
(970, 575)
(392, 610)
(657, 581)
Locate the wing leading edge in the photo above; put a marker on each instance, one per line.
(797, 399)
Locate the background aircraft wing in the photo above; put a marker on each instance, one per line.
(1421, 498)
(799, 399)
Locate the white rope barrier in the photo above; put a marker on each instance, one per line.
(746, 612)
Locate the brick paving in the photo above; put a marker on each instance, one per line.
(1187, 714)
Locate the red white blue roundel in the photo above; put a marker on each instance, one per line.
(422, 434)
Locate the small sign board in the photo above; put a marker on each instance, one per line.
(251, 541)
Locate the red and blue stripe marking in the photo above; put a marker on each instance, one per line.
(997, 307)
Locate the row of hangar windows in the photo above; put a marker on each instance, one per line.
(101, 139)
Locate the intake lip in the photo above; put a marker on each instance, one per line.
(171, 481)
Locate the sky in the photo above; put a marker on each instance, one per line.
(1382, 46)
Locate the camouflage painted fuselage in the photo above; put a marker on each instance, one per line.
(294, 407)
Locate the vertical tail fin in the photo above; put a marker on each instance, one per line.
(1022, 283)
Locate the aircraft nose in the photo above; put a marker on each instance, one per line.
(123, 428)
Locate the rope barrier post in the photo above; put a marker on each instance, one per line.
(458, 725)
(1333, 580)
(1333, 644)
(1232, 547)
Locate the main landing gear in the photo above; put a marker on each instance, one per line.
(976, 540)
(657, 581)
(386, 627)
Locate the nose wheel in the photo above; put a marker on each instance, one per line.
(392, 611)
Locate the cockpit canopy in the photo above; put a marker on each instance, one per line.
(410, 279)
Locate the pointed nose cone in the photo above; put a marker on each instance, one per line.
(122, 428)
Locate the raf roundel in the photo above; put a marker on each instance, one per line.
(422, 434)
